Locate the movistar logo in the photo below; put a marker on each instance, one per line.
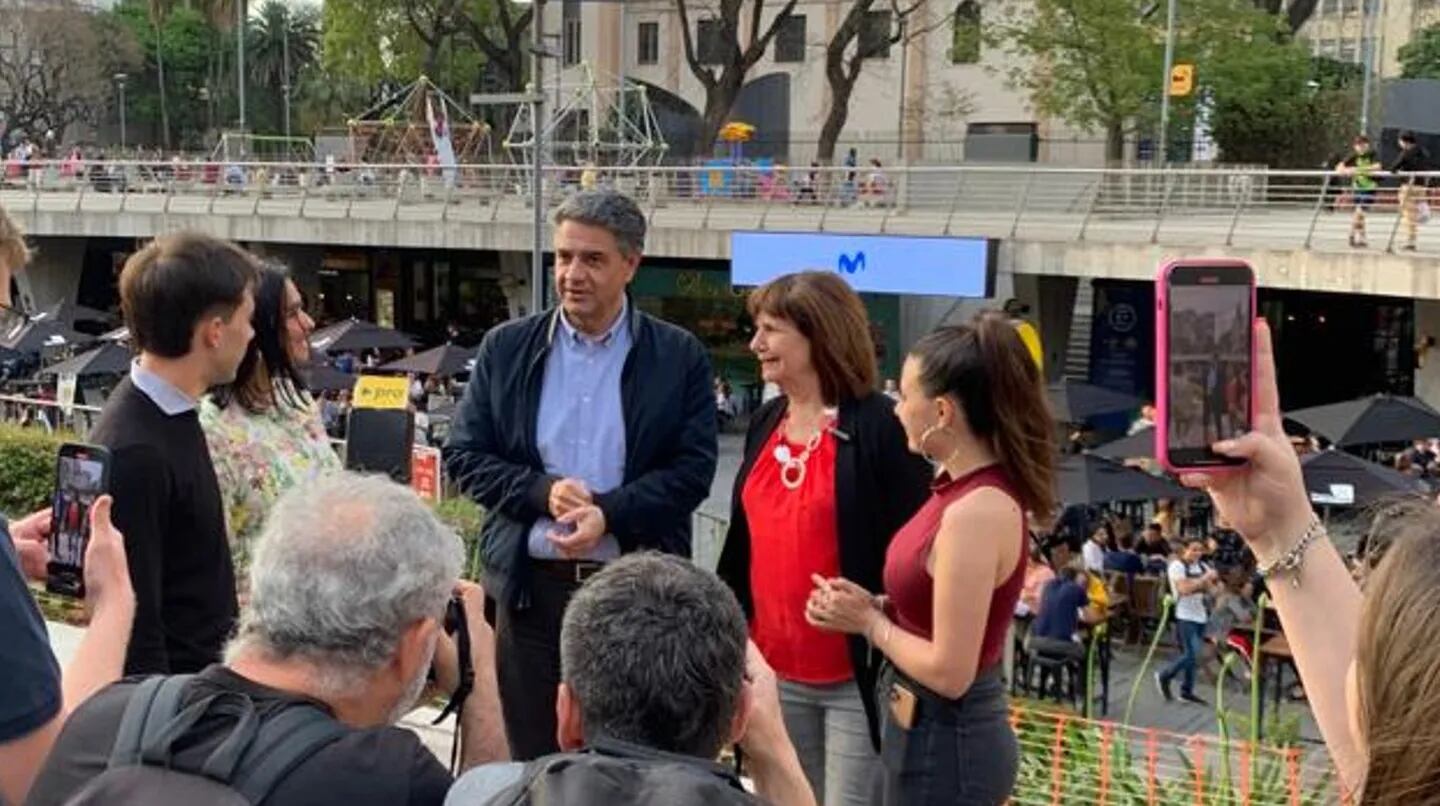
(849, 265)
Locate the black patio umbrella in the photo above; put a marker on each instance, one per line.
(1088, 479)
(356, 334)
(1076, 402)
(110, 358)
(1341, 479)
(325, 378)
(1371, 420)
(446, 360)
(32, 334)
(1139, 445)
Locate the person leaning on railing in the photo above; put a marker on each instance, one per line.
(1368, 663)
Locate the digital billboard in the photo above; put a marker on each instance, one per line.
(880, 264)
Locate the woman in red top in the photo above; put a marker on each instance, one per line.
(825, 483)
(971, 401)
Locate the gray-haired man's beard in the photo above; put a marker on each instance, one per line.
(412, 693)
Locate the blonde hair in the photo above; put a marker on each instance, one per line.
(1397, 664)
(14, 253)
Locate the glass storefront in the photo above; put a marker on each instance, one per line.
(1372, 338)
(701, 300)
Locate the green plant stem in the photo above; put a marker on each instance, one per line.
(1222, 720)
(1165, 607)
(1257, 687)
(1090, 670)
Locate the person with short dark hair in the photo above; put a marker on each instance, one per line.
(1412, 161)
(657, 675)
(1190, 580)
(188, 301)
(1055, 630)
(264, 429)
(1154, 549)
(825, 482)
(587, 431)
(1125, 559)
(1360, 166)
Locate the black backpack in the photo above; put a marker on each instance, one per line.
(242, 770)
(610, 772)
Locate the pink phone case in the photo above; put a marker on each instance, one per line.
(1162, 356)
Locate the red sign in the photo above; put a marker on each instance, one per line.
(425, 472)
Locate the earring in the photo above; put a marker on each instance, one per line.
(925, 437)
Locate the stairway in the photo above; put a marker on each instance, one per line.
(1077, 353)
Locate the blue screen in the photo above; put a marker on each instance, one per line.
(881, 264)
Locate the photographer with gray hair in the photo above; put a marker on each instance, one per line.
(587, 431)
(658, 676)
(351, 580)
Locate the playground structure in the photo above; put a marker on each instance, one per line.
(246, 147)
(401, 128)
(601, 124)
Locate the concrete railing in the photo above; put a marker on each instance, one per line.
(1222, 206)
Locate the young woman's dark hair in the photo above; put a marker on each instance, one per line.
(267, 375)
(988, 371)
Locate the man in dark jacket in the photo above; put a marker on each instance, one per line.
(1413, 160)
(586, 432)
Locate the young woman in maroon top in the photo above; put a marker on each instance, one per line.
(971, 401)
(825, 483)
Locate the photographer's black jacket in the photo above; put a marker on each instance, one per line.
(670, 449)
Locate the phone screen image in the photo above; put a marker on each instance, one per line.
(1210, 330)
(80, 480)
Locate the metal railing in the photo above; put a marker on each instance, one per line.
(1223, 206)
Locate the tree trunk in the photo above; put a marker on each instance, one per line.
(718, 104)
(160, 71)
(835, 121)
(1115, 143)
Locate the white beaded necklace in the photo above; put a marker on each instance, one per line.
(792, 467)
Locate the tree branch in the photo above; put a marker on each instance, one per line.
(702, 74)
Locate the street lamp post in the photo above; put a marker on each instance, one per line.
(120, 79)
(537, 257)
(1162, 146)
(240, 60)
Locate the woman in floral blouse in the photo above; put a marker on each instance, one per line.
(264, 429)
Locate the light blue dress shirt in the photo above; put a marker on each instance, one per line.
(580, 429)
(161, 392)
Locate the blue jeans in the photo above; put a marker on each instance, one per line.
(958, 752)
(1192, 641)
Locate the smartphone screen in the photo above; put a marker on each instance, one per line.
(1209, 330)
(82, 475)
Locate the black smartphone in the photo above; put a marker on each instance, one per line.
(82, 474)
(1206, 366)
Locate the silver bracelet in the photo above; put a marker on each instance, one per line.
(1290, 562)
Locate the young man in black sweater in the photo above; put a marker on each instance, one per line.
(188, 301)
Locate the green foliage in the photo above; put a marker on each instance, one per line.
(189, 43)
(375, 41)
(465, 517)
(1094, 63)
(1420, 58)
(1098, 64)
(27, 468)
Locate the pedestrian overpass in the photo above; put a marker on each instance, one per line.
(1077, 222)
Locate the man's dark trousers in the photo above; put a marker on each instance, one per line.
(527, 660)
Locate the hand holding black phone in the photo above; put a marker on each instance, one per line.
(82, 474)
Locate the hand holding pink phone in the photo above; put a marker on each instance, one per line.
(1204, 361)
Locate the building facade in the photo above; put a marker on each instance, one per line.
(940, 94)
